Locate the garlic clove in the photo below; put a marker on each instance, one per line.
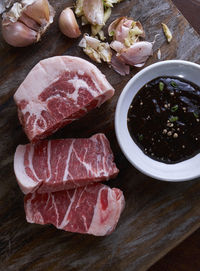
(68, 24)
(38, 10)
(29, 22)
(94, 11)
(17, 34)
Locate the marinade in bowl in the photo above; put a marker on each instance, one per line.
(164, 119)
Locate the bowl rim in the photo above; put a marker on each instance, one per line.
(117, 117)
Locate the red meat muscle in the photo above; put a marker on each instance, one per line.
(64, 164)
(93, 209)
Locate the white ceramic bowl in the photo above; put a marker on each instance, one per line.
(182, 171)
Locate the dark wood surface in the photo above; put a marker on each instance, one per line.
(190, 9)
(186, 255)
(158, 215)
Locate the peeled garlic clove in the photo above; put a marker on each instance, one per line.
(68, 24)
(38, 10)
(17, 34)
(94, 11)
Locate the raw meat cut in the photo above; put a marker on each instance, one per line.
(64, 164)
(93, 209)
(57, 91)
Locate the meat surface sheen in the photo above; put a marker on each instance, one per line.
(57, 91)
(63, 164)
(93, 209)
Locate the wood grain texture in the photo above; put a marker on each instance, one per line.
(158, 215)
(182, 258)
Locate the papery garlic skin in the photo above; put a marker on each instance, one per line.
(25, 22)
(119, 66)
(68, 24)
(137, 54)
(5, 4)
(19, 35)
(14, 13)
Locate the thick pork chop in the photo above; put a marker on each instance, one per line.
(63, 164)
(93, 209)
(57, 91)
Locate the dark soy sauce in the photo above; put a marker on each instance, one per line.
(164, 119)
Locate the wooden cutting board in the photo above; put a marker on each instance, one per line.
(158, 215)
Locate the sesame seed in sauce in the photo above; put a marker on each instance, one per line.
(175, 135)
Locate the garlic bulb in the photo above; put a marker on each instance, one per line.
(68, 24)
(19, 35)
(25, 22)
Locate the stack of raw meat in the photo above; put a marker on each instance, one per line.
(61, 177)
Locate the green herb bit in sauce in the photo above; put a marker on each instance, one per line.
(161, 86)
(111, 33)
(173, 118)
(140, 137)
(173, 84)
(174, 108)
(196, 115)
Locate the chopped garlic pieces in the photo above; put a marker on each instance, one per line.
(96, 49)
(79, 8)
(167, 32)
(94, 12)
(159, 54)
(109, 3)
